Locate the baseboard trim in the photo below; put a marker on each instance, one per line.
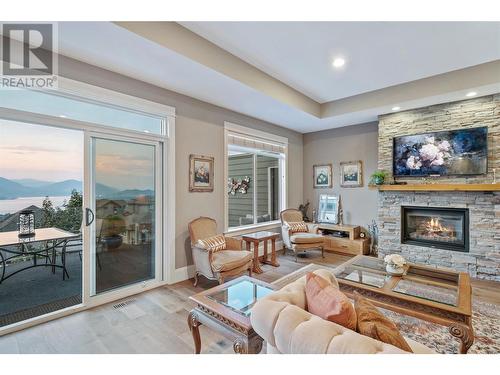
(183, 273)
(187, 272)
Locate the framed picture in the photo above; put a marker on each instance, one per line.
(322, 175)
(351, 173)
(201, 173)
(457, 152)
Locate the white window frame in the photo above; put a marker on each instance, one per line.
(98, 94)
(239, 130)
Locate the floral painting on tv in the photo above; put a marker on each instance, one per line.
(454, 152)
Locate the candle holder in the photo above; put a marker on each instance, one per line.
(26, 224)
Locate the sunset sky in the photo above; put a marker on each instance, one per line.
(53, 154)
(40, 152)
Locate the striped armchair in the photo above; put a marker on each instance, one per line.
(301, 241)
(217, 265)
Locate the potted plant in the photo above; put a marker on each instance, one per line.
(112, 228)
(394, 264)
(378, 177)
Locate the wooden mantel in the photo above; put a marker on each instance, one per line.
(438, 187)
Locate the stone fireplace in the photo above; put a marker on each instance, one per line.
(435, 227)
(456, 229)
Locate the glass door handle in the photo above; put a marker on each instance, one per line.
(89, 216)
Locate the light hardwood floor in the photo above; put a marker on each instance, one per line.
(155, 321)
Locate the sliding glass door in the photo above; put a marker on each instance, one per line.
(125, 200)
(92, 178)
(41, 174)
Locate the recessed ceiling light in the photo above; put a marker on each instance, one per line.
(338, 62)
(472, 93)
(396, 108)
(63, 116)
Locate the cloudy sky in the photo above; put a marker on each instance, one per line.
(40, 152)
(52, 154)
(124, 165)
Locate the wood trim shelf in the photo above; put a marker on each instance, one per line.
(438, 187)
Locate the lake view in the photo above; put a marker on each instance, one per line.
(9, 206)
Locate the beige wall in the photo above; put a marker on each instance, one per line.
(199, 130)
(344, 144)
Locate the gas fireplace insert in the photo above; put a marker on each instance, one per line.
(438, 227)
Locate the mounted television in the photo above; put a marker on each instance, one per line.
(444, 153)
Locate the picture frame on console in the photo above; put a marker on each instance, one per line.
(351, 173)
(322, 176)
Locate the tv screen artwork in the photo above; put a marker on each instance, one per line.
(454, 152)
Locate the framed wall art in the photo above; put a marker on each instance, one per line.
(322, 175)
(351, 173)
(201, 173)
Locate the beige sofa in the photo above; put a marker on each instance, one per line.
(282, 321)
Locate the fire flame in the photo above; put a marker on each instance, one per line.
(434, 225)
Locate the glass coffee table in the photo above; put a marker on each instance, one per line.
(226, 309)
(436, 295)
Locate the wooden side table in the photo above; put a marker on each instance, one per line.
(256, 238)
(220, 309)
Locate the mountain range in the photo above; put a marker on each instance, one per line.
(12, 189)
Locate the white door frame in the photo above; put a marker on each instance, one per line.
(165, 263)
(89, 202)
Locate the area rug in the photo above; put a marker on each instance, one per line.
(485, 320)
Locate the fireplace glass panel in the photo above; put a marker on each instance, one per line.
(436, 227)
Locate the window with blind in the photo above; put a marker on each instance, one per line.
(255, 171)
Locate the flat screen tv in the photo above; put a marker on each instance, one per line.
(444, 153)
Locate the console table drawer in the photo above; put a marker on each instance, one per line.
(344, 245)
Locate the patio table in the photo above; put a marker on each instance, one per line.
(18, 248)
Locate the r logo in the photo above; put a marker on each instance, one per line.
(27, 49)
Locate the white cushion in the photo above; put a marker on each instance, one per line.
(306, 238)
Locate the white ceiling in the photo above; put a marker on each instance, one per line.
(298, 64)
(378, 54)
(111, 47)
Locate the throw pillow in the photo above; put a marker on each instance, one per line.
(328, 302)
(214, 243)
(297, 227)
(372, 323)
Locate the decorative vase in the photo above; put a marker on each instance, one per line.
(394, 270)
(113, 242)
(378, 180)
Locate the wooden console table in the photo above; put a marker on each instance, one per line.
(351, 244)
(256, 239)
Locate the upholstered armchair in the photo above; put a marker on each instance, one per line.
(217, 265)
(299, 241)
(282, 320)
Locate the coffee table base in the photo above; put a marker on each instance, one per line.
(244, 342)
(465, 334)
(459, 326)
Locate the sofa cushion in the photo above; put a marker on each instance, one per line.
(372, 323)
(214, 243)
(328, 302)
(226, 260)
(306, 238)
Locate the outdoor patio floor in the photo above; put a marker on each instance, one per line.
(38, 291)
